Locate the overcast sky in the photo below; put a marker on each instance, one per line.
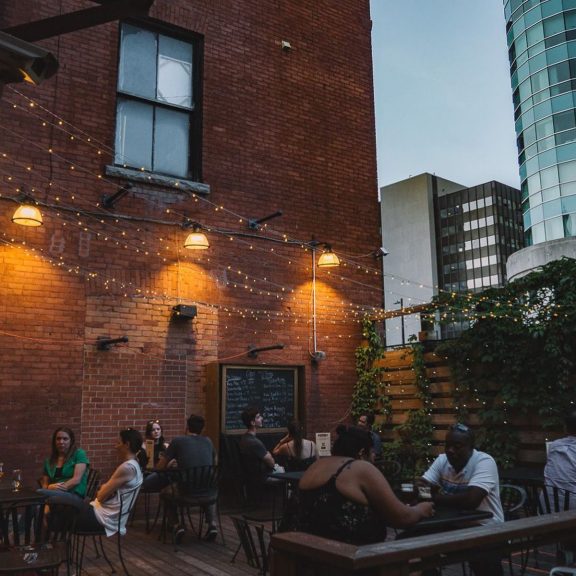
(442, 91)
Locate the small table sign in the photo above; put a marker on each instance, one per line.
(323, 443)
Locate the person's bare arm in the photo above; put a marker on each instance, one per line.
(268, 460)
(121, 476)
(162, 462)
(467, 499)
(380, 495)
(79, 470)
(280, 448)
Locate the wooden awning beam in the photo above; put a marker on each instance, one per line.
(73, 21)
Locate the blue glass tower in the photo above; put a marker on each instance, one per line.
(542, 50)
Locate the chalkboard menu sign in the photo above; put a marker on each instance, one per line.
(273, 389)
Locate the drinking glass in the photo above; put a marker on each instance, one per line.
(16, 480)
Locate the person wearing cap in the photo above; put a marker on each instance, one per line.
(467, 479)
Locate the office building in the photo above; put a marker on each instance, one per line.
(542, 50)
(441, 235)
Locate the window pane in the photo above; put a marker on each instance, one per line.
(559, 72)
(554, 229)
(134, 134)
(567, 171)
(175, 72)
(137, 73)
(550, 193)
(171, 142)
(538, 234)
(553, 25)
(535, 34)
(552, 209)
(549, 177)
(570, 225)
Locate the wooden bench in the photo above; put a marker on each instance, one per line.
(299, 554)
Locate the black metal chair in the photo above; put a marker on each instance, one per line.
(553, 499)
(92, 483)
(127, 500)
(192, 488)
(29, 547)
(254, 542)
(513, 499)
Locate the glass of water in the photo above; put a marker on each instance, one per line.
(16, 480)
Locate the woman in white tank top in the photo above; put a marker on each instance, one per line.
(103, 512)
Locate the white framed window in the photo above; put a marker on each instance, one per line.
(157, 127)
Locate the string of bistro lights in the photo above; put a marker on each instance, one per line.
(90, 140)
(373, 311)
(129, 289)
(343, 278)
(371, 287)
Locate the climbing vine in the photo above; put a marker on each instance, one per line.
(517, 361)
(368, 395)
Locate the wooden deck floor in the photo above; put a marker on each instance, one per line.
(145, 555)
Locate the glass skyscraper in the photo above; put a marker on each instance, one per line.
(542, 50)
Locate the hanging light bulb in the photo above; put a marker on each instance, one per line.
(328, 259)
(27, 215)
(196, 240)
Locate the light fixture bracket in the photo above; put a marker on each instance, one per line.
(104, 342)
(253, 350)
(108, 201)
(254, 224)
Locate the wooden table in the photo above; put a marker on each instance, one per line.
(9, 497)
(445, 519)
(25, 503)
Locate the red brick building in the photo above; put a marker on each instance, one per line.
(218, 111)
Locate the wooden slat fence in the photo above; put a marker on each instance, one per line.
(399, 383)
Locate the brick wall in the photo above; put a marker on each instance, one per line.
(290, 131)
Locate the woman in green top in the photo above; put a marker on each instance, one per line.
(66, 471)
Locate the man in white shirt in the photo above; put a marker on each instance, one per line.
(467, 479)
(560, 470)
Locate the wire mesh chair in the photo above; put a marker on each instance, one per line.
(127, 500)
(92, 483)
(30, 548)
(195, 487)
(254, 542)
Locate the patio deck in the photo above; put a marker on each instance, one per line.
(146, 555)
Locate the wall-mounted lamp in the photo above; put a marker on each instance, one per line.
(27, 214)
(196, 240)
(328, 259)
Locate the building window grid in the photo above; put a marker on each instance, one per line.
(491, 268)
(188, 104)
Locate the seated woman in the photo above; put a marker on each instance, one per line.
(154, 432)
(293, 451)
(345, 497)
(103, 512)
(66, 470)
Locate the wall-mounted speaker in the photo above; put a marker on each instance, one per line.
(184, 311)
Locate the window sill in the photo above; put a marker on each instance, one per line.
(157, 180)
